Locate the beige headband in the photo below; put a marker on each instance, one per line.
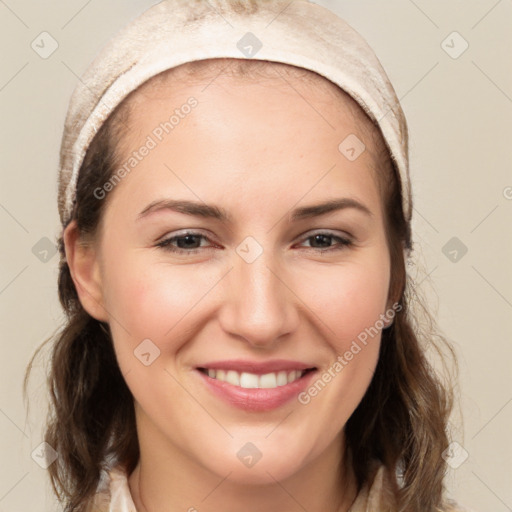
(174, 32)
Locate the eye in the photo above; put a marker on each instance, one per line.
(323, 238)
(186, 243)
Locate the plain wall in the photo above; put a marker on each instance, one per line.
(459, 112)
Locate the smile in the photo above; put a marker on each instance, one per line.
(256, 386)
(252, 380)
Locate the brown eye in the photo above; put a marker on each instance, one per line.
(322, 241)
(185, 243)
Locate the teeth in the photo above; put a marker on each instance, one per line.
(269, 380)
(282, 378)
(232, 377)
(251, 380)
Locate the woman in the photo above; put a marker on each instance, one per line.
(236, 207)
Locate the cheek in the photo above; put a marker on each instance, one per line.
(348, 299)
(149, 299)
(349, 302)
(351, 308)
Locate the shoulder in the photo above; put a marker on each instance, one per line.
(380, 493)
(113, 492)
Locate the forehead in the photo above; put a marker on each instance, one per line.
(316, 92)
(278, 91)
(255, 130)
(240, 72)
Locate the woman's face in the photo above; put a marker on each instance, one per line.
(251, 290)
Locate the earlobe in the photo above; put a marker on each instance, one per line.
(392, 308)
(84, 268)
(388, 321)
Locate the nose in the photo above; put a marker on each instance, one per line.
(259, 305)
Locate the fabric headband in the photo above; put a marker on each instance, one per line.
(174, 32)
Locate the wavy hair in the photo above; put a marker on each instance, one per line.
(400, 422)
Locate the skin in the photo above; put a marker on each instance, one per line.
(258, 151)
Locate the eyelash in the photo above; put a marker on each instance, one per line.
(166, 243)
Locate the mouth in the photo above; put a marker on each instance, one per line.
(249, 380)
(256, 386)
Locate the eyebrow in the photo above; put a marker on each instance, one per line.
(216, 212)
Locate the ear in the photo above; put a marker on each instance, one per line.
(84, 268)
(395, 292)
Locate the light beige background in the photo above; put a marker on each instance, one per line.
(460, 118)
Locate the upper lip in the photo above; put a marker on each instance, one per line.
(256, 367)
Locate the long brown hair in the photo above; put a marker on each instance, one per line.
(401, 420)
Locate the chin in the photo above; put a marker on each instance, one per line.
(257, 463)
(262, 473)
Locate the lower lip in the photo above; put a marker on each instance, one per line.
(257, 399)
